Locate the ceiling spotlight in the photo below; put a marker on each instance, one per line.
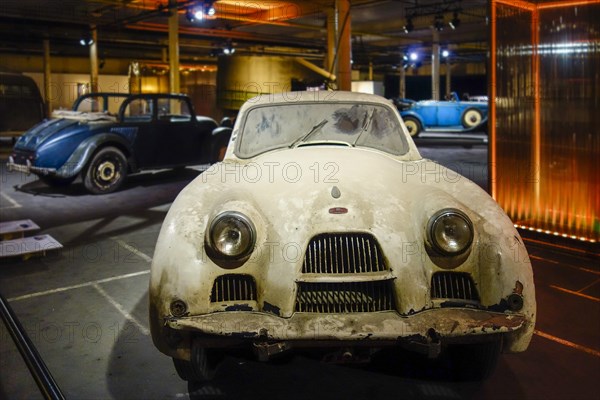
(209, 8)
(445, 53)
(455, 22)
(86, 41)
(228, 49)
(438, 22)
(199, 12)
(408, 27)
(413, 56)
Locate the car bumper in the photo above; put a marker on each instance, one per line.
(28, 168)
(448, 323)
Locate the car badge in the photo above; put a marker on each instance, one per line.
(338, 210)
(335, 192)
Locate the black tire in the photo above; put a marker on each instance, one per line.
(201, 368)
(106, 172)
(471, 118)
(475, 362)
(54, 181)
(413, 125)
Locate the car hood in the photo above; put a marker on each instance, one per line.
(298, 193)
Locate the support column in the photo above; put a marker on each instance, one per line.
(344, 75)
(435, 65)
(448, 76)
(331, 64)
(94, 59)
(370, 70)
(173, 47)
(47, 99)
(94, 64)
(402, 92)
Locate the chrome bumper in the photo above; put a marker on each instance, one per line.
(28, 168)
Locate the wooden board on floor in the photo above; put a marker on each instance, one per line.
(17, 229)
(28, 246)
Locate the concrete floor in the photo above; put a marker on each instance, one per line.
(85, 308)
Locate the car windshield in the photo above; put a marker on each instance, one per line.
(289, 125)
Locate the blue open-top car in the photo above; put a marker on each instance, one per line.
(109, 135)
(453, 115)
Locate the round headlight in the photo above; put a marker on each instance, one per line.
(450, 231)
(231, 235)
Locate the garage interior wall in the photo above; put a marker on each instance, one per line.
(545, 143)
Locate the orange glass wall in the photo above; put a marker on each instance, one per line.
(545, 115)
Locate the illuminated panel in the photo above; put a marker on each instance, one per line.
(546, 144)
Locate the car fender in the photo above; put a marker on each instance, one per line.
(86, 149)
(484, 118)
(415, 115)
(218, 137)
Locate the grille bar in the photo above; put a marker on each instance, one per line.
(345, 297)
(233, 287)
(453, 285)
(343, 253)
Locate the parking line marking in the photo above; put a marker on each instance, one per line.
(132, 249)
(10, 200)
(78, 286)
(591, 271)
(588, 286)
(122, 310)
(585, 296)
(564, 342)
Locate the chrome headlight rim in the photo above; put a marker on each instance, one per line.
(214, 250)
(436, 218)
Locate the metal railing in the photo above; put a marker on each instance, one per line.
(40, 373)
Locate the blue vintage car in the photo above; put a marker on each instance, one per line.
(107, 136)
(453, 115)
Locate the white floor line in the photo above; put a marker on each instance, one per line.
(10, 200)
(122, 310)
(567, 343)
(80, 285)
(132, 249)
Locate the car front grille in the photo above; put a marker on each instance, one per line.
(343, 253)
(233, 287)
(345, 297)
(453, 285)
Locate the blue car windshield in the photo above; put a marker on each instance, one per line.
(277, 126)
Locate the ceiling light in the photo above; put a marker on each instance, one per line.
(455, 22)
(445, 53)
(86, 41)
(413, 56)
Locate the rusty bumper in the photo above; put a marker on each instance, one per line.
(381, 326)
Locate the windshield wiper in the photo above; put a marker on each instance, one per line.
(313, 130)
(365, 127)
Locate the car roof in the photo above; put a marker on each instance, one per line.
(322, 96)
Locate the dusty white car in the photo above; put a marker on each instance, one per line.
(324, 229)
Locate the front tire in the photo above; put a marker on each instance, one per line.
(106, 172)
(477, 361)
(201, 368)
(471, 118)
(413, 126)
